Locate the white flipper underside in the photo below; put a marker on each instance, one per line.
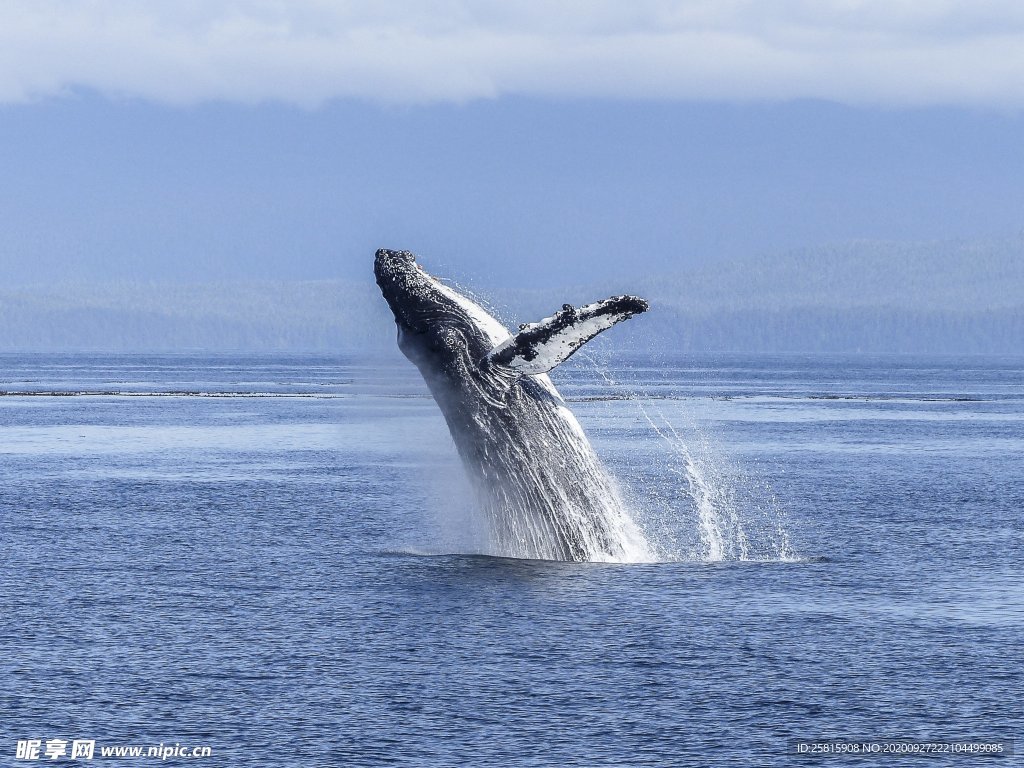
(539, 347)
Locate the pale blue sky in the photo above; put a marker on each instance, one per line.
(504, 141)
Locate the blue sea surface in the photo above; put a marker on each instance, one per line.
(277, 557)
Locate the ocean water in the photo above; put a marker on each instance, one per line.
(278, 558)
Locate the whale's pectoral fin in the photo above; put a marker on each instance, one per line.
(539, 347)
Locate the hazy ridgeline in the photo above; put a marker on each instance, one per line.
(945, 297)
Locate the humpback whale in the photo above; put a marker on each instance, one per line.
(543, 488)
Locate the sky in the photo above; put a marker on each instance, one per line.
(505, 141)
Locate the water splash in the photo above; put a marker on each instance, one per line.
(726, 513)
(546, 502)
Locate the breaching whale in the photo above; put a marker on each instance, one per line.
(544, 489)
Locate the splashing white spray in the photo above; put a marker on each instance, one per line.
(736, 518)
(534, 513)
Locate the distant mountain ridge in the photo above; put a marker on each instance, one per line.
(955, 297)
(987, 275)
(247, 316)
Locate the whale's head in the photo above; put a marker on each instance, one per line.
(444, 332)
(436, 324)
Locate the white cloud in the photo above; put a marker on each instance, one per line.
(309, 51)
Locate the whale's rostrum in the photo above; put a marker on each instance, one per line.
(545, 492)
